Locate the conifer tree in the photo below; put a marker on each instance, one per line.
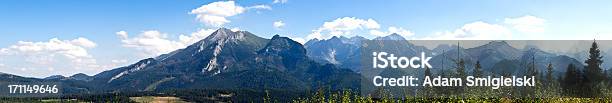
(551, 83)
(593, 72)
(571, 81)
(532, 71)
(478, 69)
(427, 90)
(460, 70)
(549, 75)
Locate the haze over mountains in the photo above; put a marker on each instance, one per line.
(241, 60)
(337, 49)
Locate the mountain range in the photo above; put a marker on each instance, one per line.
(223, 60)
(241, 60)
(493, 55)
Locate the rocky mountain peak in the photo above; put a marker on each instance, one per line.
(226, 34)
(284, 46)
(393, 36)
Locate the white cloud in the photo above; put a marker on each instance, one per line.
(278, 24)
(378, 33)
(214, 14)
(279, 1)
(122, 35)
(474, 31)
(195, 36)
(153, 43)
(479, 30)
(70, 55)
(264, 7)
(486, 31)
(83, 42)
(343, 26)
(528, 23)
(399, 30)
(298, 39)
(70, 48)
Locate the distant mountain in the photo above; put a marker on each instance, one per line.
(67, 85)
(5, 77)
(493, 52)
(442, 48)
(340, 51)
(498, 57)
(55, 77)
(447, 57)
(393, 36)
(282, 52)
(78, 76)
(538, 58)
(81, 76)
(345, 52)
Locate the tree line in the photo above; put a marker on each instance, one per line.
(588, 80)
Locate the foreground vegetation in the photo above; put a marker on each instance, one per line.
(348, 97)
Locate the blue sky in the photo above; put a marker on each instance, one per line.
(88, 32)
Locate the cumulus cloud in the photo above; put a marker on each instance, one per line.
(474, 31)
(83, 42)
(153, 42)
(214, 14)
(279, 1)
(343, 26)
(528, 23)
(278, 24)
(70, 55)
(76, 48)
